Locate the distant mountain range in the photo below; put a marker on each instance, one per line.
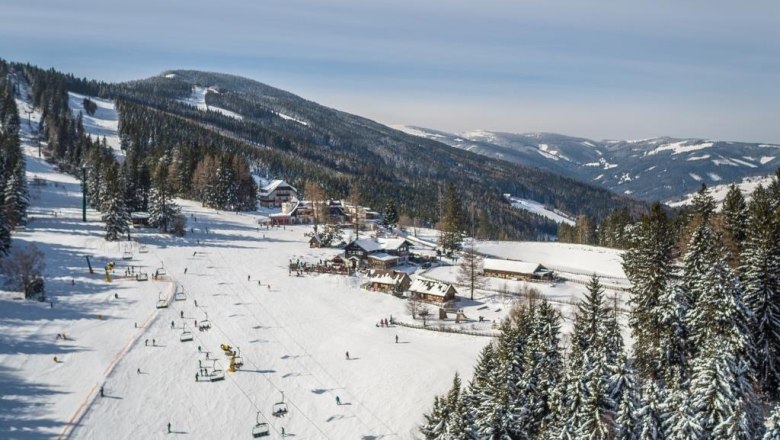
(665, 169)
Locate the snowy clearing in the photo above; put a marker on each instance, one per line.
(540, 209)
(104, 123)
(198, 100)
(718, 192)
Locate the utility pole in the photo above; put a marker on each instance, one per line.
(84, 194)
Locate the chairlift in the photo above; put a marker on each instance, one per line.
(161, 271)
(142, 249)
(180, 296)
(261, 429)
(280, 408)
(216, 374)
(186, 335)
(161, 302)
(204, 324)
(127, 255)
(238, 361)
(142, 277)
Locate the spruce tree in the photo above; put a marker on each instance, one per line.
(452, 221)
(735, 216)
(773, 425)
(679, 422)
(648, 265)
(760, 274)
(391, 214)
(433, 428)
(649, 414)
(115, 214)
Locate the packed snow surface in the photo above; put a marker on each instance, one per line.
(104, 123)
(540, 209)
(198, 99)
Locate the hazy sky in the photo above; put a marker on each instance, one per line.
(601, 69)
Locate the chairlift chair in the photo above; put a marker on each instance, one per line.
(279, 408)
(186, 335)
(161, 271)
(180, 296)
(161, 302)
(142, 249)
(142, 277)
(261, 429)
(216, 374)
(127, 255)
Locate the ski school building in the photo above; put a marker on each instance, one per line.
(517, 270)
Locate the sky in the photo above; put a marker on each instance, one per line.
(599, 69)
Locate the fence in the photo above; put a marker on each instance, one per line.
(443, 329)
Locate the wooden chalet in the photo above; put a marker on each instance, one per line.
(517, 270)
(389, 281)
(315, 241)
(140, 219)
(432, 291)
(381, 253)
(276, 193)
(293, 212)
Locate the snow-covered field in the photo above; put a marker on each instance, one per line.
(104, 123)
(718, 192)
(539, 209)
(566, 257)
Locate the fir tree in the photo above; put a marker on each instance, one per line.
(773, 425)
(452, 221)
(391, 214)
(735, 215)
(114, 214)
(433, 428)
(649, 414)
(761, 282)
(679, 422)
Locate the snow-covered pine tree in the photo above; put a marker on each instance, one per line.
(390, 218)
(735, 218)
(647, 265)
(649, 414)
(679, 422)
(474, 393)
(760, 276)
(723, 403)
(452, 220)
(16, 196)
(5, 233)
(625, 393)
(773, 425)
(115, 214)
(456, 425)
(433, 428)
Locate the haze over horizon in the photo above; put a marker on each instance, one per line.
(600, 69)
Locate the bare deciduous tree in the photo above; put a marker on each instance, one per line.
(22, 270)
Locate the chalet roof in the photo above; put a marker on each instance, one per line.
(429, 287)
(379, 244)
(268, 189)
(512, 266)
(387, 277)
(381, 256)
(140, 215)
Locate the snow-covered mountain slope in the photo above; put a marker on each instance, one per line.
(540, 209)
(718, 192)
(104, 123)
(663, 168)
(198, 100)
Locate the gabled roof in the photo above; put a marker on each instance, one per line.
(387, 277)
(379, 244)
(274, 185)
(521, 267)
(381, 256)
(429, 287)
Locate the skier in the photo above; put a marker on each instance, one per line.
(347, 355)
(154, 342)
(269, 287)
(101, 391)
(247, 277)
(196, 303)
(396, 339)
(146, 342)
(171, 324)
(283, 434)
(338, 400)
(169, 427)
(185, 271)
(138, 371)
(198, 348)
(193, 254)
(55, 359)
(116, 296)
(196, 377)
(181, 314)
(135, 325)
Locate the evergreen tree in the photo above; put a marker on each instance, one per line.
(773, 425)
(391, 214)
(648, 265)
(627, 402)
(761, 282)
(452, 221)
(115, 214)
(650, 413)
(679, 422)
(735, 216)
(433, 428)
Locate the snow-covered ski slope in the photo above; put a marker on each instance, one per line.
(104, 123)
(293, 333)
(198, 99)
(539, 209)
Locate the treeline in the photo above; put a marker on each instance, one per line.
(14, 196)
(705, 359)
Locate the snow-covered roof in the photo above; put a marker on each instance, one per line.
(524, 267)
(384, 277)
(429, 287)
(268, 189)
(139, 215)
(381, 256)
(379, 244)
